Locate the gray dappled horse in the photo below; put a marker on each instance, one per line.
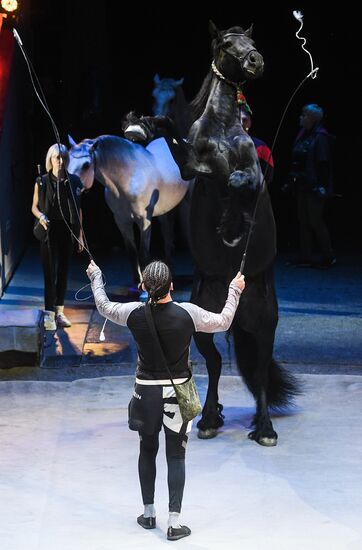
(139, 183)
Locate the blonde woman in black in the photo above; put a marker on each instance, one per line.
(56, 207)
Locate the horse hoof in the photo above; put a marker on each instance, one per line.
(209, 433)
(232, 243)
(265, 441)
(135, 132)
(203, 168)
(268, 441)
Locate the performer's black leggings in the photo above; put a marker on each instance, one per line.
(175, 455)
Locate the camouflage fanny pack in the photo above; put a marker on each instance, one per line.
(188, 399)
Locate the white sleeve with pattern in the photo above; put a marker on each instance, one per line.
(206, 321)
(114, 311)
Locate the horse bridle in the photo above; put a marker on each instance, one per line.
(240, 98)
(92, 154)
(240, 59)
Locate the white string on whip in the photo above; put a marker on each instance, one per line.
(101, 334)
(299, 17)
(80, 290)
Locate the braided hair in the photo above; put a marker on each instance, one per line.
(156, 278)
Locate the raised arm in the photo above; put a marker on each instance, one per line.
(206, 321)
(114, 311)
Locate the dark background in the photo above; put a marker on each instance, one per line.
(96, 63)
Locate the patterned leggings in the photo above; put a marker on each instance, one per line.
(175, 456)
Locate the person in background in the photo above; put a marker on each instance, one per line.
(311, 179)
(56, 205)
(262, 150)
(154, 396)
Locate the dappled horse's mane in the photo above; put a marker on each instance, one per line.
(109, 146)
(198, 104)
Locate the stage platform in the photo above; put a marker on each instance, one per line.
(68, 463)
(319, 329)
(68, 471)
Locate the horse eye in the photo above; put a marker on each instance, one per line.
(85, 165)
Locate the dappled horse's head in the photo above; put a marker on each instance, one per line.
(235, 54)
(82, 160)
(163, 93)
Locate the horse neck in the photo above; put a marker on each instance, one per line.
(179, 111)
(109, 159)
(221, 104)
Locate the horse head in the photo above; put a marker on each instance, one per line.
(169, 100)
(82, 160)
(222, 150)
(163, 93)
(235, 55)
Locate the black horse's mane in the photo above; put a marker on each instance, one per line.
(179, 111)
(198, 104)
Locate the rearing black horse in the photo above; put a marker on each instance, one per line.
(229, 199)
(228, 187)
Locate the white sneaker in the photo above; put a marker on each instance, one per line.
(49, 320)
(60, 317)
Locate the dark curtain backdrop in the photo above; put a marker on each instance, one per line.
(96, 64)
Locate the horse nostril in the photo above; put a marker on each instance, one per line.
(252, 58)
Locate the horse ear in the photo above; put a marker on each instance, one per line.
(249, 32)
(179, 82)
(71, 141)
(214, 31)
(156, 79)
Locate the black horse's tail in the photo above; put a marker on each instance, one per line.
(282, 387)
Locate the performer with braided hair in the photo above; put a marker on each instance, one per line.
(154, 402)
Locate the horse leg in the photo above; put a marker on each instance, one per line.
(212, 417)
(125, 225)
(144, 225)
(183, 211)
(248, 179)
(122, 213)
(167, 224)
(254, 358)
(127, 230)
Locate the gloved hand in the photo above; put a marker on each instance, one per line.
(239, 281)
(92, 268)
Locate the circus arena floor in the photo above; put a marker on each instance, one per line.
(68, 463)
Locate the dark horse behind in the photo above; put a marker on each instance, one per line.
(229, 185)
